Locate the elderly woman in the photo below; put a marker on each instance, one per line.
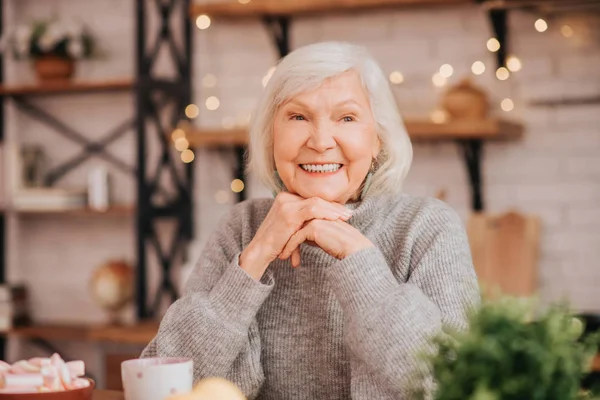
(333, 288)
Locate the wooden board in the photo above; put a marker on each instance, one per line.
(66, 87)
(140, 334)
(107, 395)
(256, 8)
(418, 130)
(505, 252)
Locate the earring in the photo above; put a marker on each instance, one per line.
(367, 184)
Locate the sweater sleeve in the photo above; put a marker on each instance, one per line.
(389, 323)
(214, 321)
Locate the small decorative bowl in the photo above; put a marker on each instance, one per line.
(74, 394)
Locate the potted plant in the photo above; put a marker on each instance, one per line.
(509, 353)
(53, 45)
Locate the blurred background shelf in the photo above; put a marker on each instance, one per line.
(234, 9)
(117, 210)
(66, 87)
(418, 130)
(140, 334)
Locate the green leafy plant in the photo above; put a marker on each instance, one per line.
(510, 354)
(54, 37)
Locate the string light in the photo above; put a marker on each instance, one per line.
(438, 80)
(228, 122)
(493, 45)
(514, 64)
(502, 73)
(541, 25)
(507, 105)
(396, 77)
(567, 31)
(446, 70)
(209, 81)
(244, 1)
(212, 103)
(192, 111)
(478, 68)
(222, 197)
(439, 116)
(182, 144)
(268, 76)
(177, 134)
(203, 21)
(187, 156)
(237, 185)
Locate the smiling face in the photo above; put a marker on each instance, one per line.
(324, 140)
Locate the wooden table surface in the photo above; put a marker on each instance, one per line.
(107, 395)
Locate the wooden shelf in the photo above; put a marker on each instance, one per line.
(120, 210)
(487, 129)
(234, 9)
(419, 130)
(67, 86)
(140, 334)
(217, 138)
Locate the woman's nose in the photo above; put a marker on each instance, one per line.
(321, 138)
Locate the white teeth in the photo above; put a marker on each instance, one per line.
(321, 167)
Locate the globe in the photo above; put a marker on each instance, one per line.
(112, 287)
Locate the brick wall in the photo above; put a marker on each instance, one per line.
(553, 172)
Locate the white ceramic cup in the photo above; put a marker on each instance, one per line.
(156, 378)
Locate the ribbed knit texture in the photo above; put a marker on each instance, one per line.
(329, 329)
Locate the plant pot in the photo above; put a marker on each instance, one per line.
(52, 68)
(465, 101)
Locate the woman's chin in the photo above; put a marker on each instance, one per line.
(338, 196)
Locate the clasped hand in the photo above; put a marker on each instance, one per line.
(293, 220)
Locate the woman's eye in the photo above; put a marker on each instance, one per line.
(298, 117)
(348, 119)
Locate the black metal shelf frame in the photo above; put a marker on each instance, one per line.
(152, 95)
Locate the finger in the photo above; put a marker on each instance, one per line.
(295, 241)
(296, 257)
(320, 209)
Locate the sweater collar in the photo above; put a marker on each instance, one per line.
(365, 210)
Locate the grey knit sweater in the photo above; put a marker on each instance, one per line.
(329, 329)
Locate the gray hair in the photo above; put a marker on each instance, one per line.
(305, 69)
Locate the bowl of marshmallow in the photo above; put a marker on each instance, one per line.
(42, 378)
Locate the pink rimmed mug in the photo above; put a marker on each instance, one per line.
(156, 378)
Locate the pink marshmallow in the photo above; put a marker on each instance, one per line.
(18, 370)
(57, 361)
(65, 376)
(4, 366)
(40, 374)
(18, 390)
(27, 366)
(23, 380)
(76, 368)
(40, 361)
(50, 374)
(80, 383)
